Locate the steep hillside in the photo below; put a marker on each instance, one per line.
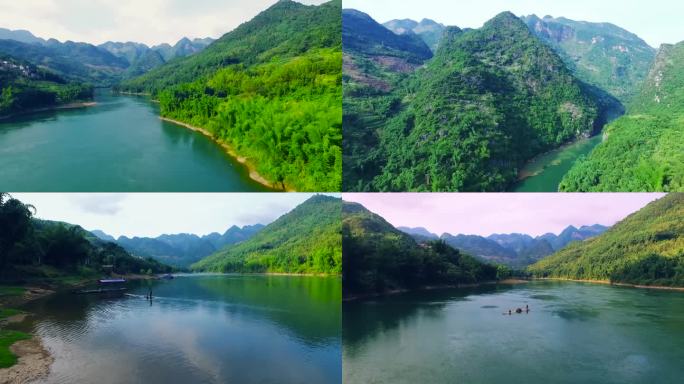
(380, 258)
(428, 30)
(305, 240)
(371, 78)
(285, 30)
(271, 90)
(489, 100)
(644, 150)
(646, 248)
(601, 54)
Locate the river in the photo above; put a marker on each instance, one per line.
(545, 172)
(118, 145)
(197, 329)
(574, 333)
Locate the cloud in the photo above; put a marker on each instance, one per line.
(108, 204)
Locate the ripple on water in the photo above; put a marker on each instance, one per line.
(489, 306)
(581, 314)
(544, 297)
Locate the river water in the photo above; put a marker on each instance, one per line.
(119, 145)
(574, 333)
(197, 329)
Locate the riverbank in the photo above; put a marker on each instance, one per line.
(76, 105)
(33, 360)
(608, 282)
(251, 168)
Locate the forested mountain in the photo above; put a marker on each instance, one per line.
(601, 54)
(490, 99)
(73, 61)
(305, 240)
(643, 150)
(39, 249)
(513, 250)
(428, 30)
(105, 64)
(24, 86)
(183, 249)
(645, 248)
(270, 89)
(380, 258)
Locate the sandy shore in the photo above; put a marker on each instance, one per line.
(33, 363)
(253, 174)
(608, 282)
(83, 104)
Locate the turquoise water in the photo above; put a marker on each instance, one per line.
(119, 145)
(574, 333)
(197, 329)
(548, 169)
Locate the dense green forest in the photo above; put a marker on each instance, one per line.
(487, 102)
(380, 258)
(644, 150)
(33, 249)
(645, 248)
(24, 86)
(271, 89)
(305, 240)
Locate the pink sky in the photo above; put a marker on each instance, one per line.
(488, 213)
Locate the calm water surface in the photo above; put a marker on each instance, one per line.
(548, 169)
(118, 145)
(574, 333)
(198, 329)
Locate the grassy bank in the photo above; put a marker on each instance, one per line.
(7, 338)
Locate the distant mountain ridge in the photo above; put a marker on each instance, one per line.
(428, 30)
(182, 249)
(103, 64)
(515, 249)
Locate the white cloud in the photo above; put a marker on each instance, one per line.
(151, 21)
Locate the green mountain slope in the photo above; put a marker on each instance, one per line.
(380, 258)
(305, 240)
(601, 54)
(489, 100)
(647, 248)
(24, 87)
(376, 62)
(271, 90)
(644, 150)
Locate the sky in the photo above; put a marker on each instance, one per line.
(154, 214)
(145, 21)
(488, 213)
(655, 21)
